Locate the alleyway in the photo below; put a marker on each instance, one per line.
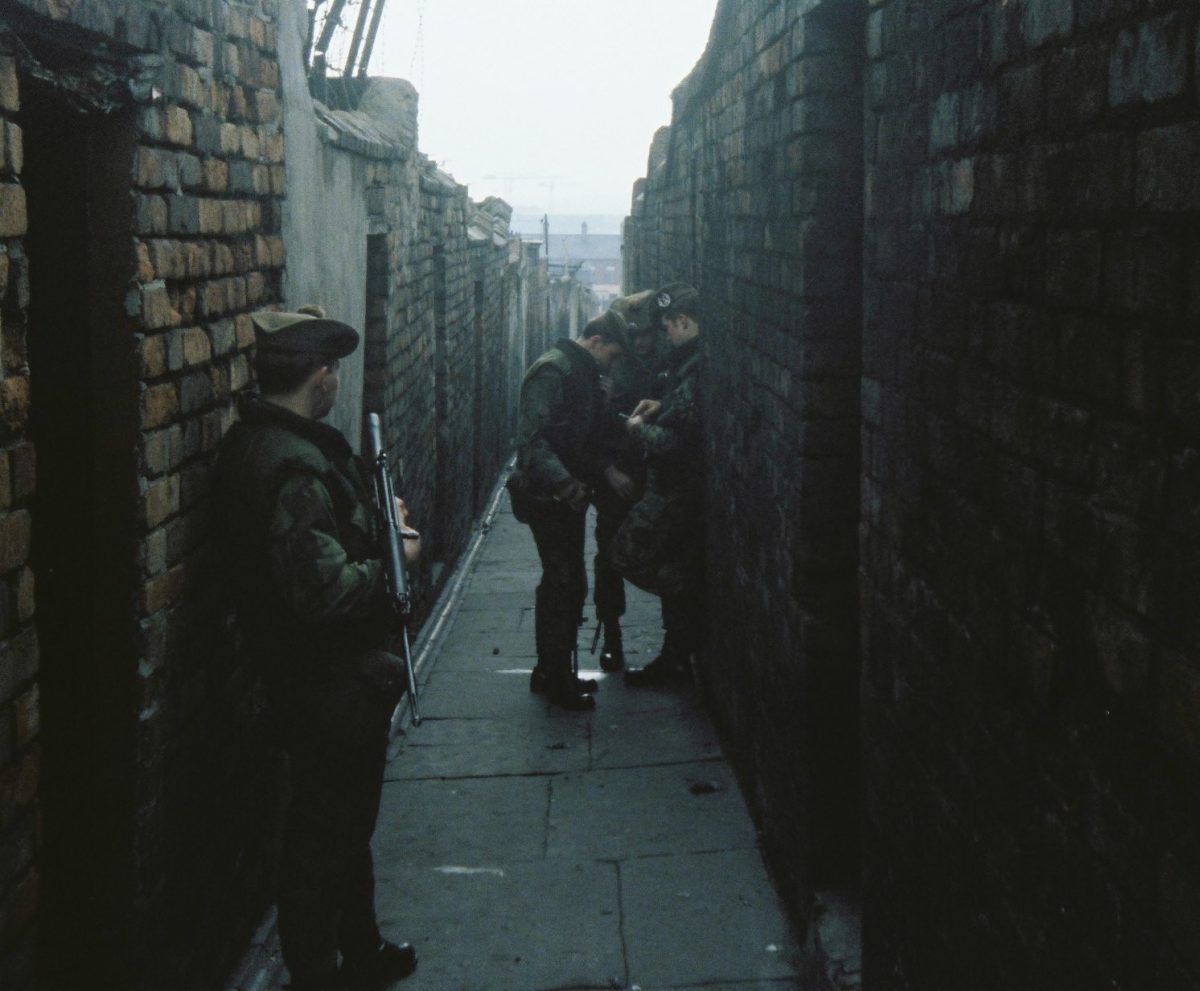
(522, 848)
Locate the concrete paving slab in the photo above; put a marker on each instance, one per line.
(454, 653)
(475, 694)
(646, 728)
(644, 811)
(461, 821)
(451, 748)
(510, 927)
(499, 600)
(699, 919)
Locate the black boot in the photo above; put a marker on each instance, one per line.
(612, 653)
(539, 681)
(672, 665)
(389, 964)
(564, 690)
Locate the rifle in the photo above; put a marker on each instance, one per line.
(393, 557)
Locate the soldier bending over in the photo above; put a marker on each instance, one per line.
(560, 461)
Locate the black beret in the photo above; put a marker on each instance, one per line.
(303, 333)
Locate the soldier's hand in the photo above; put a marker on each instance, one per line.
(646, 409)
(574, 493)
(620, 483)
(410, 539)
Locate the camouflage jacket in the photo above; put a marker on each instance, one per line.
(559, 422)
(673, 442)
(632, 380)
(297, 529)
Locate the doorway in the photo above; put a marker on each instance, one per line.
(84, 429)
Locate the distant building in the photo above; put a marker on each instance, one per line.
(594, 260)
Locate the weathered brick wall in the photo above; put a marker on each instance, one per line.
(1030, 698)
(752, 196)
(445, 212)
(160, 885)
(1030, 539)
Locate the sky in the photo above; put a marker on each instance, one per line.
(549, 104)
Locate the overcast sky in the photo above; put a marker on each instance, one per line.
(550, 104)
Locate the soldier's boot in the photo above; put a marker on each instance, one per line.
(540, 680)
(563, 688)
(389, 964)
(672, 665)
(612, 652)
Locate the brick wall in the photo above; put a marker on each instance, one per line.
(1029, 539)
(1009, 419)
(751, 195)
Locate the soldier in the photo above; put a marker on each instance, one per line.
(298, 529)
(659, 545)
(631, 378)
(560, 461)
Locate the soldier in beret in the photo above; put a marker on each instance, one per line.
(631, 377)
(299, 535)
(659, 544)
(561, 460)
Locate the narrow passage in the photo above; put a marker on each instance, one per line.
(524, 848)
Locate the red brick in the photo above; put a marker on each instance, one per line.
(196, 346)
(161, 500)
(245, 330)
(15, 148)
(145, 267)
(156, 307)
(14, 402)
(162, 591)
(26, 601)
(153, 348)
(13, 220)
(159, 404)
(15, 532)
(9, 91)
(24, 470)
(216, 175)
(179, 127)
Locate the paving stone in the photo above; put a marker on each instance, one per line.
(483, 926)
(703, 918)
(643, 811)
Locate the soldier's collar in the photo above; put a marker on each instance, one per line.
(253, 409)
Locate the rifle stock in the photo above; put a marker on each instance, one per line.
(393, 552)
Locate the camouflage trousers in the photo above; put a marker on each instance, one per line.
(659, 545)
